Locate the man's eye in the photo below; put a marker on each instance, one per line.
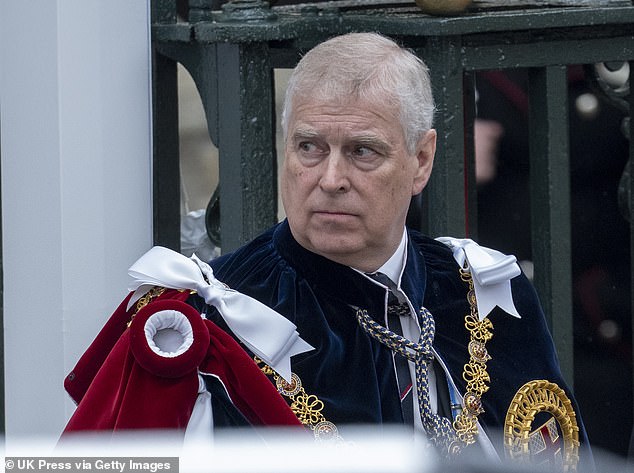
(365, 157)
(363, 152)
(307, 147)
(310, 153)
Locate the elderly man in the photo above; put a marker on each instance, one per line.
(402, 325)
(359, 144)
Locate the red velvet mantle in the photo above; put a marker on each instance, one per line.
(119, 383)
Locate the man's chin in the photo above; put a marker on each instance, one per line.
(334, 249)
(340, 251)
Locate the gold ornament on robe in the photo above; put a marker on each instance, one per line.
(526, 443)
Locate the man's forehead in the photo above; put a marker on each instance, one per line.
(359, 114)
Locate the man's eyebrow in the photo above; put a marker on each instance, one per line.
(302, 132)
(370, 140)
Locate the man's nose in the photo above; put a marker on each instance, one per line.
(334, 178)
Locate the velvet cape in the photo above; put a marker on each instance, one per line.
(119, 383)
(351, 373)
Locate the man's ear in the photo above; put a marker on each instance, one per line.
(425, 151)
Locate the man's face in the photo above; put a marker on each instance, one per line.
(348, 179)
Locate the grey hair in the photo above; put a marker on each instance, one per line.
(366, 66)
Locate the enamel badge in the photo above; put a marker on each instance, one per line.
(541, 427)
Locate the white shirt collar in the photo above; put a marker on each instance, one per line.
(393, 268)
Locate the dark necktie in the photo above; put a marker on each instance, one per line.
(395, 310)
(438, 428)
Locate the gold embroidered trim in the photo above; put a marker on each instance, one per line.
(307, 407)
(531, 399)
(146, 299)
(475, 373)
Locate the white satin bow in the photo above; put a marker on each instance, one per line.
(492, 272)
(269, 335)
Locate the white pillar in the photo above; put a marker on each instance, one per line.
(75, 124)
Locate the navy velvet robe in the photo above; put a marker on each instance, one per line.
(353, 374)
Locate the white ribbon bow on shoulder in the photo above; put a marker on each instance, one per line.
(268, 334)
(492, 272)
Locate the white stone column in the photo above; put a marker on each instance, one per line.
(75, 120)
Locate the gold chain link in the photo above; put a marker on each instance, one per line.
(306, 407)
(475, 371)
